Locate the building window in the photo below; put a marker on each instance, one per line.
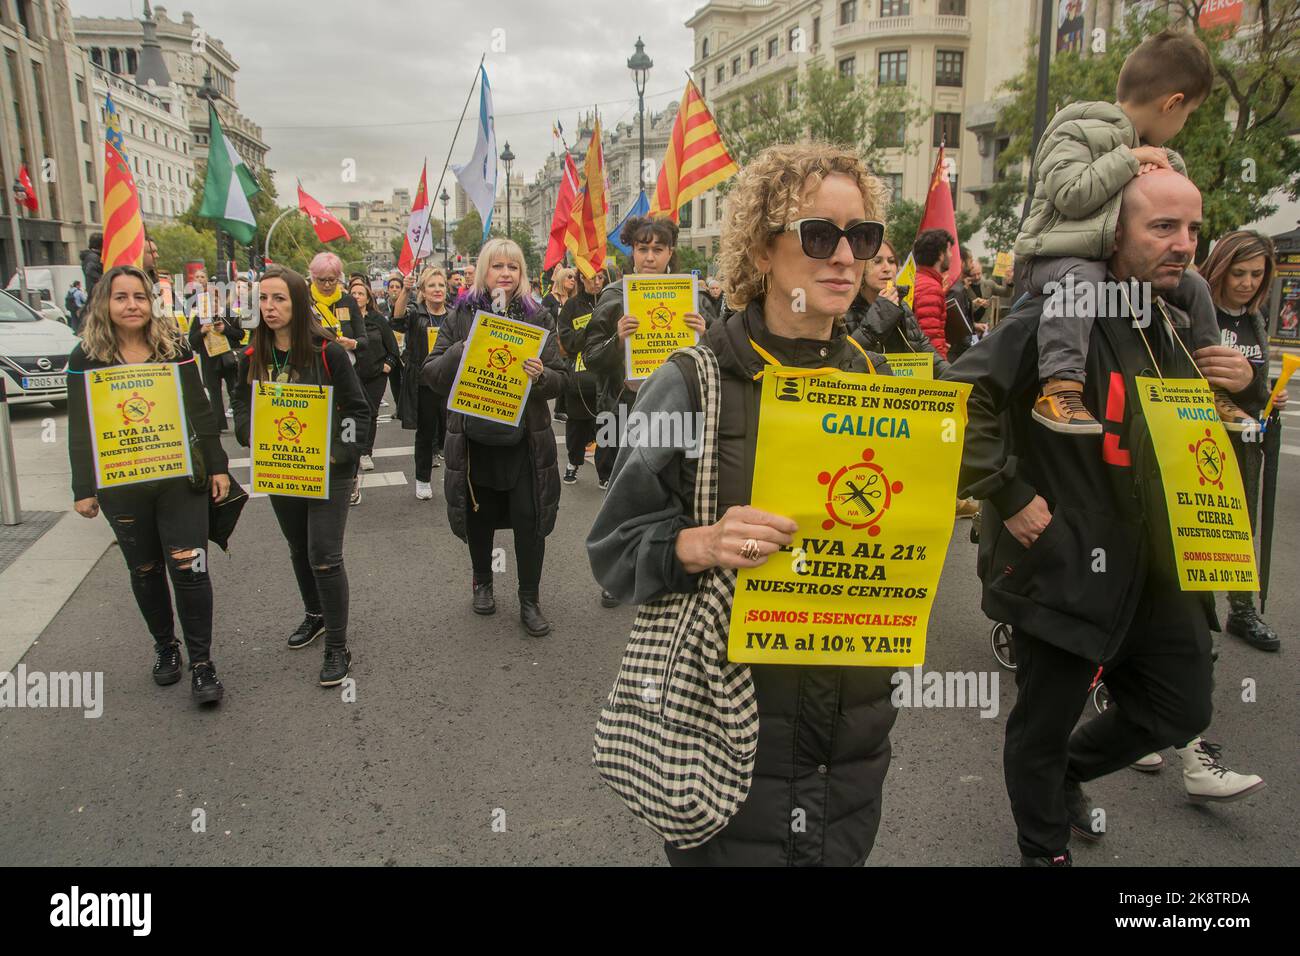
(94, 211)
(947, 129)
(895, 8)
(895, 183)
(753, 57)
(948, 67)
(846, 67)
(735, 67)
(893, 68)
(81, 90)
(952, 8)
(791, 92)
(684, 216)
(131, 62)
(114, 61)
(90, 172)
(85, 132)
(817, 31)
(704, 48)
(720, 74)
(893, 130)
(773, 47)
(792, 39)
(97, 56)
(702, 84)
(848, 11)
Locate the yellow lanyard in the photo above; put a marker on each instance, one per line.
(770, 359)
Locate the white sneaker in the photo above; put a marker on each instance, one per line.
(1151, 763)
(367, 463)
(423, 490)
(1207, 780)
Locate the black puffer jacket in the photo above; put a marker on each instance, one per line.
(884, 326)
(823, 739)
(605, 353)
(381, 347)
(414, 326)
(582, 400)
(440, 371)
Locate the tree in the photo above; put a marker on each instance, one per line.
(823, 105)
(1236, 145)
(179, 243)
(905, 221)
(692, 260)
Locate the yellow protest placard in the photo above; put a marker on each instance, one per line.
(1208, 521)
(137, 424)
(432, 335)
(1002, 265)
(580, 323)
(491, 382)
(182, 322)
(661, 304)
(215, 343)
(291, 436)
(867, 467)
(911, 364)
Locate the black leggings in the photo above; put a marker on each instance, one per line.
(166, 518)
(431, 425)
(511, 509)
(374, 394)
(578, 432)
(314, 530)
(213, 376)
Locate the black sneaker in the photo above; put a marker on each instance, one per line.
(1079, 809)
(204, 686)
(338, 661)
(561, 417)
(570, 475)
(167, 663)
(1062, 860)
(312, 627)
(603, 483)
(607, 599)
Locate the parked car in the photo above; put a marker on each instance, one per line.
(33, 354)
(52, 283)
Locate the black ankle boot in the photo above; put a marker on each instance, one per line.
(484, 602)
(1245, 623)
(530, 612)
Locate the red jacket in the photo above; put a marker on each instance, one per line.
(930, 306)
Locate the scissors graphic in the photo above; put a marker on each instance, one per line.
(1211, 459)
(860, 495)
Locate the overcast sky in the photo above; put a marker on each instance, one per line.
(383, 82)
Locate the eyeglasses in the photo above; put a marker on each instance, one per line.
(819, 238)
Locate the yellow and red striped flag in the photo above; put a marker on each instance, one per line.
(586, 232)
(696, 159)
(123, 227)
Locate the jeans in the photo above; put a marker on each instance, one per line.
(1159, 681)
(511, 509)
(429, 431)
(314, 530)
(374, 394)
(158, 518)
(1063, 332)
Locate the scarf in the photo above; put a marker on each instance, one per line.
(325, 304)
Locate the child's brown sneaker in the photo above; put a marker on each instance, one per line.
(1060, 407)
(1233, 418)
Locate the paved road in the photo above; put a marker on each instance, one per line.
(458, 717)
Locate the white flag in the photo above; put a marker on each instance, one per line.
(478, 177)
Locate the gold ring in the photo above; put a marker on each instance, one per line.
(749, 550)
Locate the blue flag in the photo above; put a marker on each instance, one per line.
(478, 177)
(640, 208)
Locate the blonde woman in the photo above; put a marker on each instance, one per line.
(799, 219)
(501, 476)
(157, 523)
(419, 407)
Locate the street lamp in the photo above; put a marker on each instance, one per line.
(640, 65)
(446, 247)
(507, 157)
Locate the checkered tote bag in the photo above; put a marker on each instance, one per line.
(676, 739)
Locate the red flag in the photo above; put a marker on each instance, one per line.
(417, 244)
(563, 212)
(26, 182)
(326, 226)
(939, 213)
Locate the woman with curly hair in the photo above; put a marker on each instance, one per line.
(801, 225)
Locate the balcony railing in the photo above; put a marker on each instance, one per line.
(870, 28)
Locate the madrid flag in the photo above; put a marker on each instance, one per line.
(326, 226)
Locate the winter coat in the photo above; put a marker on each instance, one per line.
(962, 315)
(582, 400)
(440, 371)
(931, 308)
(884, 326)
(92, 267)
(381, 347)
(823, 737)
(414, 326)
(198, 410)
(1103, 491)
(1083, 163)
(330, 366)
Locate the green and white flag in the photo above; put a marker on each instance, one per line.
(228, 186)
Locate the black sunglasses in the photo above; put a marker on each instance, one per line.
(819, 238)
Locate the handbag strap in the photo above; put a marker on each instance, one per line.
(706, 473)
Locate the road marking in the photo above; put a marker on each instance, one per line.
(1291, 449)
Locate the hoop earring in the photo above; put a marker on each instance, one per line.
(765, 286)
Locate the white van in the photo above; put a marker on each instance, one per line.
(53, 283)
(33, 354)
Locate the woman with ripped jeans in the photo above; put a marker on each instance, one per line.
(162, 523)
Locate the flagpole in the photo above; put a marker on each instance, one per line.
(267, 254)
(468, 96)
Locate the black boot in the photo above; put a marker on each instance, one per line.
(1079, 809)
(1245, 623)
(530, 612)
(484, 602)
